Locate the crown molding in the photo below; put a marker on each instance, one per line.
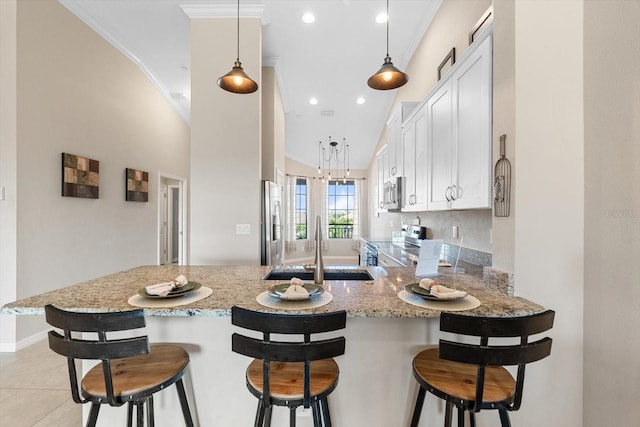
(75, 7)
(199, 11)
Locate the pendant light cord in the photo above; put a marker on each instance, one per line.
(238, 33)
(387, 27)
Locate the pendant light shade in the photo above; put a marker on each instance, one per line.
(236, 80)
(388, 76)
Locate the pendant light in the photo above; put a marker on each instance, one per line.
(236, 80)
(388, 76)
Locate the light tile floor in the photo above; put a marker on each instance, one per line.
(34, 389)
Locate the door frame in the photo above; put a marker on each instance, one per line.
(181, 184)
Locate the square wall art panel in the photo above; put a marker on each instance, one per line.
(137, 186)
(80, 176)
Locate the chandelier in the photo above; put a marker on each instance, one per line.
(334, 153)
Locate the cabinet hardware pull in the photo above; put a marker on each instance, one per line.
(454, 192)
(446, 194)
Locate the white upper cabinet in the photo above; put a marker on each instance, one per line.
(394, 136)
(459, 117)
(383, 175)
(415, 165)
(439, 152)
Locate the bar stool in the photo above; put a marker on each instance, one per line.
(471, 377)
(291, 374)
(131, 371)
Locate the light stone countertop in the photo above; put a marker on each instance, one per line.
(239, 285)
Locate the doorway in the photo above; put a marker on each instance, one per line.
(171, 221)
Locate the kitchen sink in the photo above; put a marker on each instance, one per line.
(346, 274)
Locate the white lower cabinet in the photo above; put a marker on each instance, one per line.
(386, 261)
(459, 135)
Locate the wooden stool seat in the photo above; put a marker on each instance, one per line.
(298, 372)
(130, 370)
(458, 380)
(287, 380)
(470, 375)
(132, 375)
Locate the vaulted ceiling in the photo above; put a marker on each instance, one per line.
(329, 59)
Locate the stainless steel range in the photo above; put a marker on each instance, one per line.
(414, 234)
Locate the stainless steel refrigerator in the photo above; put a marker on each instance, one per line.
(271, 224)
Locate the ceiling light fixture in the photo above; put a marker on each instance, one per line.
(335, 153)
(236, 80)
(308, 18)
(388, 76)
(361, 101)
(313, 101)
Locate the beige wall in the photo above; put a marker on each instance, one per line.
(549, 226)
(273, 128)
(8, 168)
(75, 93)
(226, 131)
(504, 93)
(449, 28)
(612, 213)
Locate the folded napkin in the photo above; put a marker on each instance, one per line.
(163, 289)
(441, 291)
(296, 290)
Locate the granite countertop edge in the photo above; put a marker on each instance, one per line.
(239, 285)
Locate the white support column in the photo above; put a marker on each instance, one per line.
(226, 134)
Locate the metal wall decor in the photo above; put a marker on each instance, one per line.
(483, 22)
(447, 63)
(80, 176)
(502, 182)
(137, 186)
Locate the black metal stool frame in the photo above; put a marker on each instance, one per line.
(484, 355)
(305, 351)
(105, 349)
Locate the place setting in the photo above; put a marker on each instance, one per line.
(176, 292)
(428, 293)
(296, 294)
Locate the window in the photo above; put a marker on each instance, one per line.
(300, 214)
(341, 209)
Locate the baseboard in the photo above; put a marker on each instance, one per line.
(22, 344)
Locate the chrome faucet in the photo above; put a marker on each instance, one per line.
(318, 273)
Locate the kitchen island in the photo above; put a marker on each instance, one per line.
(383, 334)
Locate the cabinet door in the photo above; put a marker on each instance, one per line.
(382, 176)
(421, 168)
(471, 166)
(394, 143)
(408, 166)
(439, 148)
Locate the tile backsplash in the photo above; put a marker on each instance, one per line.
(474, 227)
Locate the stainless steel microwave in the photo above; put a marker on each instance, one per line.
(392, 194)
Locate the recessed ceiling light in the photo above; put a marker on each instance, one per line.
(360, 100)
(382, 18)
(308, 18)
(313, 101)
